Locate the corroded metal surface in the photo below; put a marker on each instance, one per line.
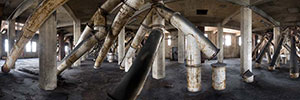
(219, 76)
(33, 23)
(132, 83)
(120, 20)
(193, 78)
(181, 23)
(143, 29)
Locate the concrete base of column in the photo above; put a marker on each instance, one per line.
(249, 79)
(257, 65)
(294, 75)
(193, 79)
(272, 68)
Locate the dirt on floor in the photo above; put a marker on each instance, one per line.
(85, 83)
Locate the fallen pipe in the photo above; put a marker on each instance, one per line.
(181, 23)
(262, 53)
(132, 83)
(88, 39)
(276, 54)
(126, 11)
(140, 34)
(33, 23)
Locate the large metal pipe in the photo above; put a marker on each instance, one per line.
(88, 39)
(139, 36)
(33, 23)
(254, 52)
(133, 82)
(263, 52)
(294, 69)
(181, 23)
(127, 10)
(276, 54)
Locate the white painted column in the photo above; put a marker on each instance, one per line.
(193, 65)
(158, 67)
(47, 54)
(220, 43)
(76, 34)
(180, 44)
(246, 48)
(121, 45)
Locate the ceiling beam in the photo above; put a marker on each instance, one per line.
(230, 17)
(26, 4)
(255, 9)
(264, 15)
(259, 2)
(70, 12)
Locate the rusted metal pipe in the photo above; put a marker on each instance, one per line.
(181, 23)
(193, 64)
(276, 54)
(263, 52)
(127, 10)
(294, 69)
(219, 76)
(140, 34)
(254, 52)
(133, 82)
(89, 39)
(33, 23)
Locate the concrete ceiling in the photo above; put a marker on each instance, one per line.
(287, 12)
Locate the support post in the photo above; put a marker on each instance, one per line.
(76, 34)
(121, 45)
(294, 69)
(276, 37)
(219, 76)
(220, 43)
(181, 50)
(61, 46)
(11, 35)
(158, 68)
(47, 54)
(246, 53)
(193, 64)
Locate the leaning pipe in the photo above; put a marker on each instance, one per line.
(33, 23)
(262, 53)
(126, 11)
(133, 82)
(276, 54)
(181, 23)
(143, 29)
(88, 39)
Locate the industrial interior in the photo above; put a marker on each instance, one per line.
(149, 49)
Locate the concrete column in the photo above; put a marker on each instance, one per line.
(220, 43)
(76, 34)
(246, 48)
(294, 69)
(61, 46)
(1, 43)
(47, 54)
(121, 45)
(181, 50)
(193, 65)
(276, 36)
(11, 34)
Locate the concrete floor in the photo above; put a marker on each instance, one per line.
(85, 83)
